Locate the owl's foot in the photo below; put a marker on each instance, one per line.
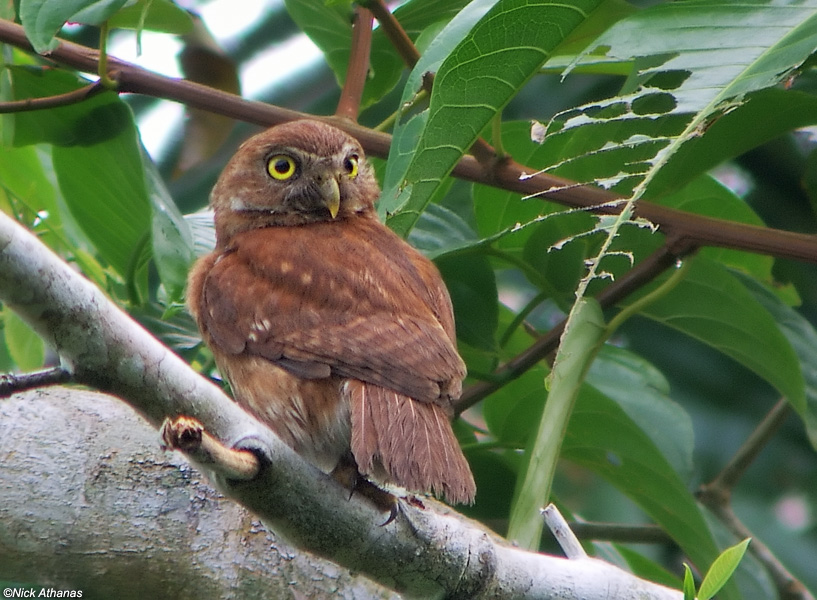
(189, 436)
(348, 476)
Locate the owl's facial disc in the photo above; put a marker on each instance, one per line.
(321, 180)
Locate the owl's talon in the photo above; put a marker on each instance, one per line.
(346, 474)
(395, 510)
(383, 500)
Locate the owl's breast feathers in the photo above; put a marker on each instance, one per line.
(352, 300)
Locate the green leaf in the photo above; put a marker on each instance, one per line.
(722, 569)
(97, 159)
(803, 338)
(440, 231)
(512, 412)
(711, 305)
(407, 133)
(706, 196)
(83, 123)
(171, 235)
(643, 393)
(42, 19)
(495, 208)
(675, 94)
(418, 18)
(103, 182)
(736, 132)
(603, 438)
(24, 180)
(689, 583)
(560, 270)
(26, 348)
(153, 15)
(470, 281)
(474, 83)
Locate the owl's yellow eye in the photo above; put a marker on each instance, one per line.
(281, 167)
(350, 164)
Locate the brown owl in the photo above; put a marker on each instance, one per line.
(330, 328)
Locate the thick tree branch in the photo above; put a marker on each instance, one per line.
(424, 552)
(508, 175)
(98, 507)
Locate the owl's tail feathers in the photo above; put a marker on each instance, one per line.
(412, 441)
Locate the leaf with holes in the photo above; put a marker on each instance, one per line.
(694, 62)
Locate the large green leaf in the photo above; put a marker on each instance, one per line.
(603, 438)
(803, 338)
(410, 127)
(97, 158)
(706, 196)
(473, 83)
(24, 182)
(610, 438)
(736, 132)
(694, 62)
(643, 393)
(472, 285)
(73, 124)
(711, 305)
(102, 180)
(580, 342)
(385, 66)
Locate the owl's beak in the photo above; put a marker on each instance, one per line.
(330, 191)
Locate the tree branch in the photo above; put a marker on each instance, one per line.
(358, 69)
(424, 552)
(12, 383)
(717, 494)
(400, 41)
(72, 97)
(99, 507)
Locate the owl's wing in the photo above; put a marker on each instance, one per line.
(345, 298)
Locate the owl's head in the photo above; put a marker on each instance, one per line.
(293, 174)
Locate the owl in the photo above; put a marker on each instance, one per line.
(330, 329)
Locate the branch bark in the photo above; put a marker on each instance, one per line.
(428, 552)
(98, 507)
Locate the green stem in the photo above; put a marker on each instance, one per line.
(639, 305)
(521, 316)
(104, 78)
